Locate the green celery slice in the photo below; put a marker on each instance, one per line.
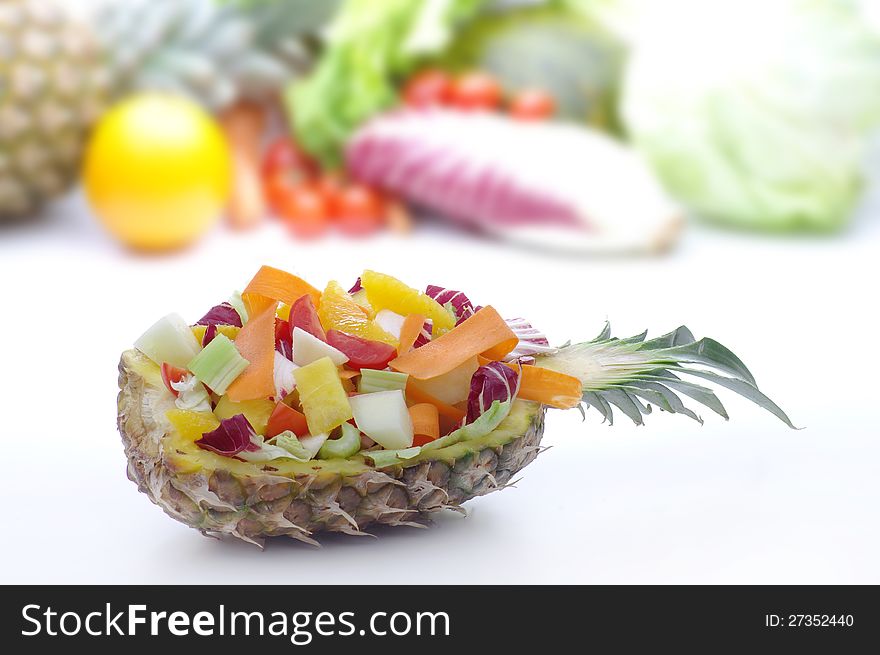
(373, 380)
(219, 364)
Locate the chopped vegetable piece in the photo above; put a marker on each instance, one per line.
(491, 382)
(172, 374)
(461, 305)
(313, 443)
(210, 333)
(483, 333)
(238, 303)
(348, 443)
(191, 425)
(169, 340)
(257, 411)
(409, 332)
(549, 387)
(390, 321)
(283, 376)
(426, 423)
(256, 343)
(452, 387)
(339, 311)
(323, 398)
(283, 338)
(386, 292)
(372, 381)
(531, 340)
(286, 419)
(416, 395)
(191, 395)
(308, 348)
(361, 353)
(490, 420)
(281, 286)
(218, 365)
(200, 332)
(383, 416)
(303, 315)
(230, 438)
(222, 314)
(287, 446)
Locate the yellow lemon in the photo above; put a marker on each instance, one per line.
(157, 171)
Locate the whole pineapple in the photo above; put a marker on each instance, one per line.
(57, 74)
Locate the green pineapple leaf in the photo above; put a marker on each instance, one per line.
(633, 374)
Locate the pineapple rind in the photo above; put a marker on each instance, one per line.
(224, 497)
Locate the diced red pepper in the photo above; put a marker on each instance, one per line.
(304, 316)
(285, 418)
(283, 339)
(421, 439)
(362, 353)
(172, 374)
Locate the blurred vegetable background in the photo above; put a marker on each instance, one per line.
(586, 125)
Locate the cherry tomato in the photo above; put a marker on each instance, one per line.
(330, 185)
(476, 90)
(362, 353)
(284, 418)
(359, 210)
(428, 88)
(284, 156)
(532, 105)
(172, 374)
(304, 210)
(304, 316)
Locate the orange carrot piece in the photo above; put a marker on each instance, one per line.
(548, 387)
(347, 374)
(256, 343)
(483, 333)
(417, 396)
(409, 332)
(279, 286)
(426, 420)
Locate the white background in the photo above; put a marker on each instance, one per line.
(748, 501)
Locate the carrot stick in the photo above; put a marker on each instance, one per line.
(243, 124)
(548, 387)
(280, 286)
(256, 343)
(417, 396)
(483, 333)
(409, 332)
(426, 420)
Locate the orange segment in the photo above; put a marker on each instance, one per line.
(386, 292)
(338, 311)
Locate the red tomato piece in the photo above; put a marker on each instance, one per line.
(284, 156)
(532, 105)
(304, 315)
(361, 353)
(428, 88)
(421, 440)
(304, 210)
(359, 210)
(476, 90)
(286, 418)
(330, 186)
(172, 374)
(283, 342)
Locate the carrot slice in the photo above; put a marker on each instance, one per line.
(256, 343)
(279, 286)
(483, 333)
(409, 332)
(548, 387)
(426, 421)
(417, 396)
(347, 374)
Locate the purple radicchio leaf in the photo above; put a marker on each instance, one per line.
(357, 286)
(425, 334)
(210, 333)
(531, 342)
(222, 314)
(491, 382)
(232, 437)
(283, 338)
(461, 305)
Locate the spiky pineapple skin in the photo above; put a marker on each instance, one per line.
(252, 507)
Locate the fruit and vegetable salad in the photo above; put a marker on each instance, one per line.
(288, 410)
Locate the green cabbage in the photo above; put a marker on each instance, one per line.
(758, 114)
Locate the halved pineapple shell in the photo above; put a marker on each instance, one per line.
(220, 496)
